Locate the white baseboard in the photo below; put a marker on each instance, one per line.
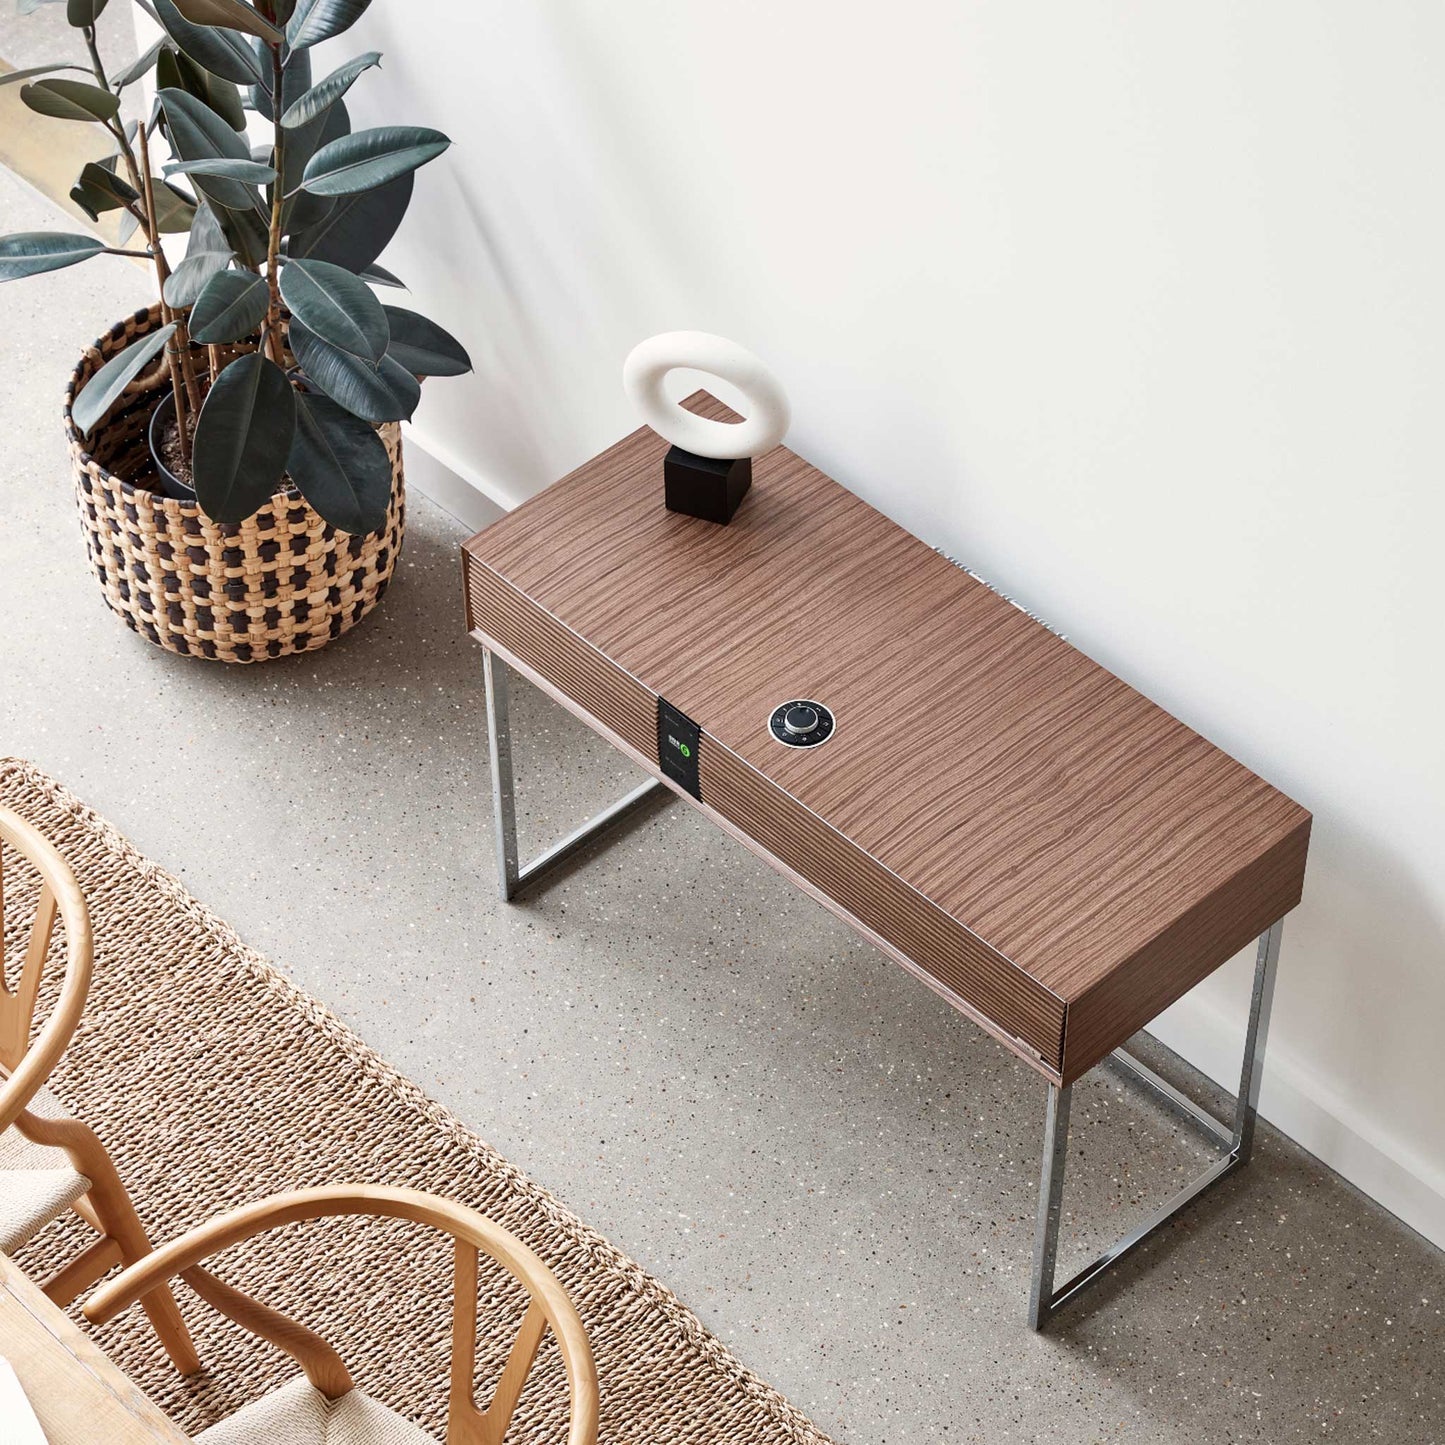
(1293, 1099)
(1302, 1105)
(455, 487)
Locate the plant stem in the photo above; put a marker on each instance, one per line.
(179, 346)
(128, 156)
(95, 63)
(140, 179)
(184, 386)
(273, 243)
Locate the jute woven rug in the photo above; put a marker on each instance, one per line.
(213, 1081)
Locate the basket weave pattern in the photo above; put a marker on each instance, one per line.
(282, 581)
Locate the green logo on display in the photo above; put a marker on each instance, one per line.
(684, 750)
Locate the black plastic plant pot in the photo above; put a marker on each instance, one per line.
(168, 483)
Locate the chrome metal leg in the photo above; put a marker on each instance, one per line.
(1136, 1067)
(1238, 1138)
(513, 876)
(1246, 1105)
(504, 797)
(1051, 1203)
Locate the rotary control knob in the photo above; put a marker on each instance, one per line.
(800, 718)
(801, 723)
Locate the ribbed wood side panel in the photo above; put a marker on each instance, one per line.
(966, 966)
(523, 628)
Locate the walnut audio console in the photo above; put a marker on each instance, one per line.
(1053, 853)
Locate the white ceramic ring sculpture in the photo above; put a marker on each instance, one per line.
(648, 364)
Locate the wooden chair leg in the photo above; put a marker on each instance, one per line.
(82, 1271)
(86, 1210)
(121, 1223)
(165, 1317)
(107, 1206)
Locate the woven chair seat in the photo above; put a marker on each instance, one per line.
(36, 1184)
(299, 1414)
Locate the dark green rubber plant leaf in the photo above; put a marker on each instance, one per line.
(99, 189)
(295, 79)
(188, 280)
(28, 253)
(14, 77)
(370, 158)
(195, 130)
(103, 389)
(139, 67)
(221, 51)
(230, 15)
(223, 98)
(81, 13)
(325, 93)
(207, 233)
(174, 212)
(177, 71)
(388, 392)
(94, 203)
(340, 465)
(246, 232)
(422, 346)
(70, 100)
(243, 438)
(302, 211)
(302, 142)
(230, 307)
(316, 20)
(253, 171)
(335, 306)
(168, 71)
(376, 275)
(197, 133)
(207, 252)
(358, 228)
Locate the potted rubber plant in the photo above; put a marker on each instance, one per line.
(236, 447)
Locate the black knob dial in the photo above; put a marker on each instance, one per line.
(800, 719)
(801, 723)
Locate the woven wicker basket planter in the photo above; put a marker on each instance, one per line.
(283, 581)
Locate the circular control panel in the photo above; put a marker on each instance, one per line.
(801, 723)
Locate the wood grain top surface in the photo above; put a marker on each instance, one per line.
(1038, 799)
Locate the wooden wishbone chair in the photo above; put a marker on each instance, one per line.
(38, 1185)
(324, 1405)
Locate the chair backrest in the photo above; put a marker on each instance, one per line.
(28, 1064)
(472, 1233)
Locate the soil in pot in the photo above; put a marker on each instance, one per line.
(173, 469)
(178, 464)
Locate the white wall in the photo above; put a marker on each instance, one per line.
(1139, 308)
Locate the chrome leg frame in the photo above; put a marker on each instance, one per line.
(1237, 1139)
(512, 876)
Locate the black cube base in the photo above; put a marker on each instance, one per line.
(706, 487)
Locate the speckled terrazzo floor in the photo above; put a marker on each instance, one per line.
(834, 1169)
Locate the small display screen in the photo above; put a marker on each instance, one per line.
(678, 740)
